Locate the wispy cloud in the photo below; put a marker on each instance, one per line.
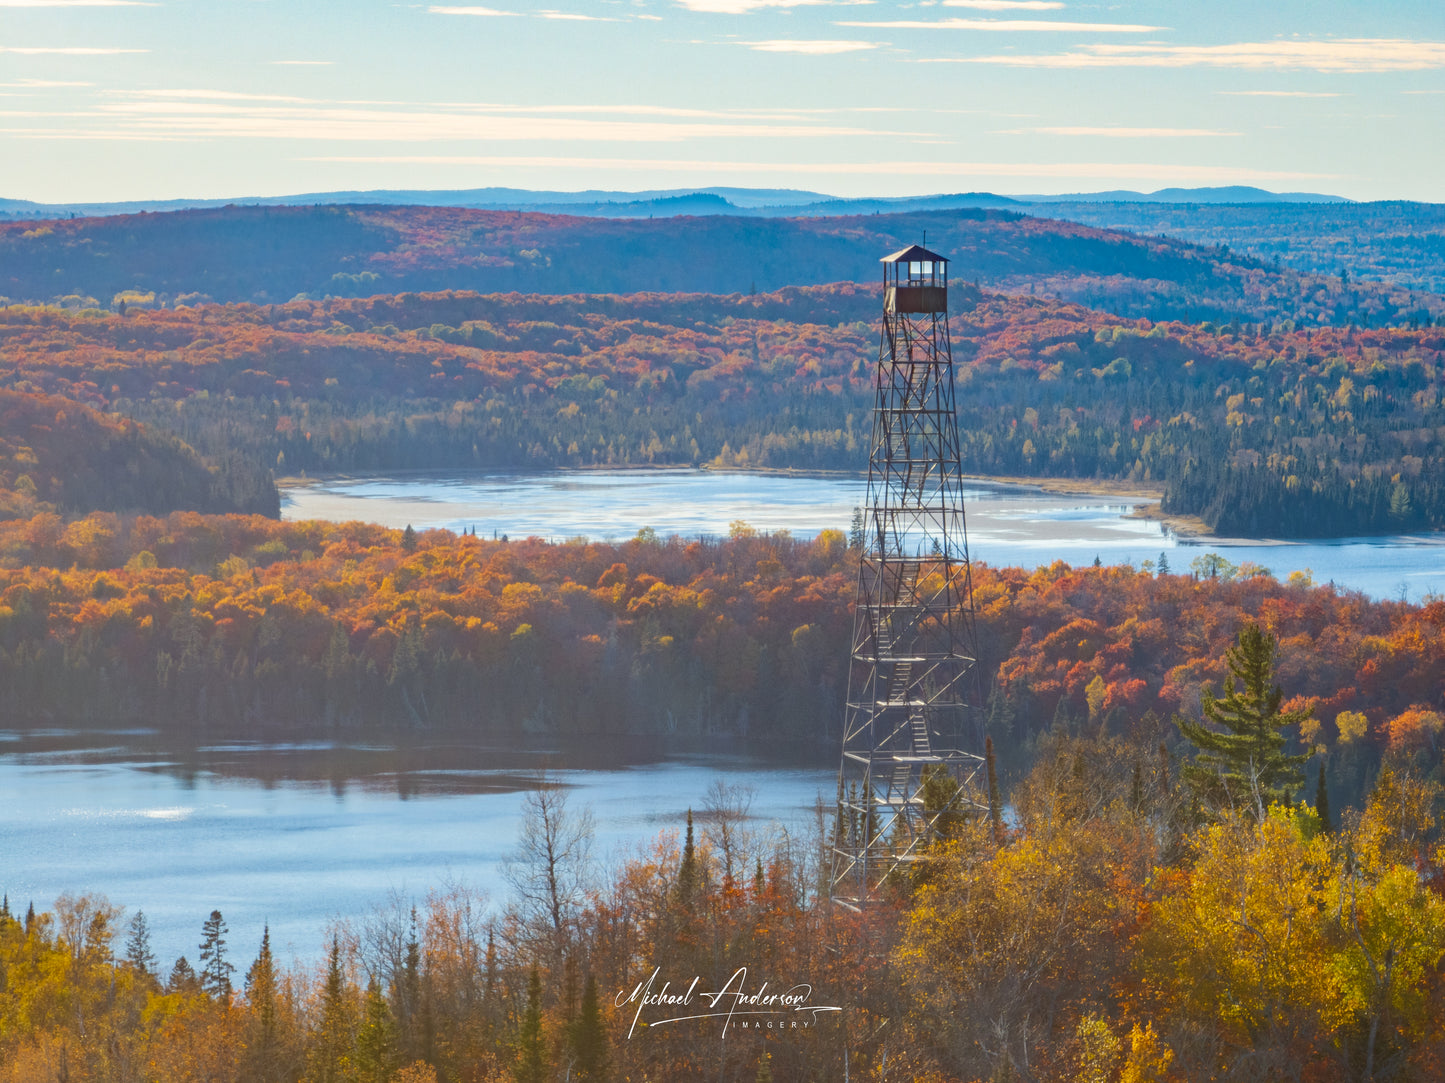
(42, 84)
(1113, 132)
(809, 48)
(77, 4)
(744, 7)
(574, 17)
(1005, 5)
(261, 119)
(1345, 55)
(211, 95)
(471, 10)
(1119, 171)
(1009, 26)
(1281, 93)
(64, 50)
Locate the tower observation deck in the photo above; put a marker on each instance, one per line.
(912, 731)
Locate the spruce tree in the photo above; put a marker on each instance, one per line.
(215, 970)
(331, 1045)
(531, 1064)
(589, 1037)
(376, 1044)
(1243, 764)
(687, 873)
(138, 954)
(262, 1047)
(183, 978)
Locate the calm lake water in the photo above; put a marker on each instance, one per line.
(300, 834)
(1007, 525)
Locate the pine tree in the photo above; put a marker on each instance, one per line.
(138, 954)
(1245, 765)
(262, 1048)
(589, 1037)
(183, 978)
(531, 1065)
(331, 1046)
(215, 970)
(376, 1040)
(1163, 563)
(687, 873)
(1322, 800)
(408, 539)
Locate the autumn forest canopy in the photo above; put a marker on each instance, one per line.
(1260, 428)
(1210, 846)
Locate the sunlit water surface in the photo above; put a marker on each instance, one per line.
(296, 835)
(1007, 525)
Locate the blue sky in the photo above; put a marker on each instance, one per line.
(121, 99)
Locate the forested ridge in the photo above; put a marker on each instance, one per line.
(244, 624)
(1118, 927)
(60, 455)
(273, 254)
(1259, 428)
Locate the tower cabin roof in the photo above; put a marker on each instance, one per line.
(914, 254)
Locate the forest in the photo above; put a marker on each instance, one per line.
(273, 255)
(1387, 240)
(236, 624)
(1116, 928)
(1261, 429)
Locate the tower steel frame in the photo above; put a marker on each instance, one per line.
(911, 713)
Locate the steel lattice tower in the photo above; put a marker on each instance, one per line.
(911, 711)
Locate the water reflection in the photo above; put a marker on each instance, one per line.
(1007, 524)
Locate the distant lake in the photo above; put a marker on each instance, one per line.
(299, 834)
(1007, 524)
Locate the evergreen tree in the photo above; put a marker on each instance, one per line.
(408, 539)
(409, 995)
(1163, 563)
(688, 874)
(215, 970)
(138, 954)
(183, 978)
(1322, 800)
(531, 1064)
(262, 1048)
(589, 1037)
(1243, 764)
(376, 1039)
(331, 1046)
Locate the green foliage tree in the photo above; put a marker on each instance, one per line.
(1243, 764)
(138, 953)
(264, 1039)
(216, 971)
(376, 1039)
(589, 1037)
(531, 1063)
(331, 1044)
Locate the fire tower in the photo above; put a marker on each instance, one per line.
(911, 718)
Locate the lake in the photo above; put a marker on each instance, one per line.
(299, 834)
(1007, 524)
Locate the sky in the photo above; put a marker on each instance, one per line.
(156, 99)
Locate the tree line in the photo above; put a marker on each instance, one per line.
(1138, 918)
(1260, 429)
